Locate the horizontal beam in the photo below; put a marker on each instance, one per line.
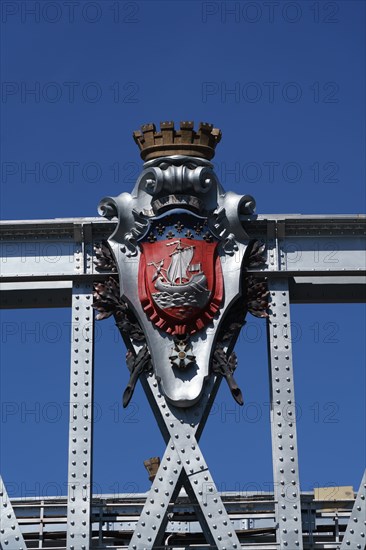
(114, 516)
(46, 294)
(57, 293)
(30, 279)
(327, 290)
(48, 255)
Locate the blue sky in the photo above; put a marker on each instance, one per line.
(285, 81)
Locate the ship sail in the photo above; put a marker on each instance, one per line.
(181, 259)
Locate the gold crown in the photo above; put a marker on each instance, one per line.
(185, 141)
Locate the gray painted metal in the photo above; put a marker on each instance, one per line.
(310, 259)
(114, 518)
(11, 537)
(41, 255)
(283, 418)
(194, 526)
(183, 458)
(312, 245)
(46, 294)
(354, 537)
(320, 290)
(35, 294)
(81, 419)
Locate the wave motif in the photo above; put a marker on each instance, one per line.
(177, 299)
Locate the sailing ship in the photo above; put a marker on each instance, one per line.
(182, 283)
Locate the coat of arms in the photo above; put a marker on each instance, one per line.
(180, 278)
(180, 249)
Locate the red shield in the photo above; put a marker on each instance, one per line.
(180, 284)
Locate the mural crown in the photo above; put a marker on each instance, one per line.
(185, 141)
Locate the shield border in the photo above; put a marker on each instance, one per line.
(199, 321)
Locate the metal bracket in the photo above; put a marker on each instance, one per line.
(182, 464)
(354, 537)
(11, 537)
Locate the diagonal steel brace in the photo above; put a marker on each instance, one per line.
(354, 537)
(11, 536)
(182, 463)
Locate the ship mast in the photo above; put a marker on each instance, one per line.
(180, 261)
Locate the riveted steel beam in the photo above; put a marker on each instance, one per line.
(81, 421)
(296, 244)
(283, 419)
(184, 463)
(11, 537)
(194, 419)
(354, 537)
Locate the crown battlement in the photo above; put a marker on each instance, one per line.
(185, 141)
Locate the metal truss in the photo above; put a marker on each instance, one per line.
(310, 259)
(114, 518)
(183, 463)
(354, 537)
(11, 537)
(323, 257)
